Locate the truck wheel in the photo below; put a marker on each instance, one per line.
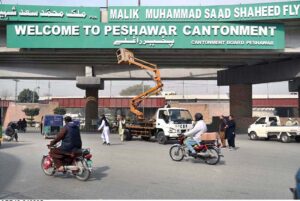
(161, 138)
(297, 139)
(146, 138)
(253, 135)
(285, 138)
(127, 135)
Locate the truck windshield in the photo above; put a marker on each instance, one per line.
(180, 116)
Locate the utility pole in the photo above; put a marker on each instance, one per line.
(33, 93)
(139, 2)
(110, 89)
(107, 4)
(183, 89)
(16, 90)
(49, 90)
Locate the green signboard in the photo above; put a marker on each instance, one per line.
(241, 12)
(150, 35)
(48, 13)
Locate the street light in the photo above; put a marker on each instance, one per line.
(16, 89)
(33, 93)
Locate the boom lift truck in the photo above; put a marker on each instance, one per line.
(169, 121)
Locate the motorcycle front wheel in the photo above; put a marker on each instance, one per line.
(213, 158)
(49, 171)
(84, 172)
(176, 152)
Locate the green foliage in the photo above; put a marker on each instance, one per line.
(60, 110)
(31, 112)
(134, 90)
(26, 96)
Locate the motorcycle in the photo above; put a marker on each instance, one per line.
(11, 132)
(208, 151)
(78, 164)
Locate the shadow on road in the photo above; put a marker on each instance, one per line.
(9, 166)
(221, 162)
(153, 140)
(174, 141)
(6, 145)
(98, 173)
(116, 144)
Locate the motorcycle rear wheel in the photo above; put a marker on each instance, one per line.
(176, 153)
(213, 157)
(85, 174)
(50, 171)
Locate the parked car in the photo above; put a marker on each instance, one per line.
(270, 127)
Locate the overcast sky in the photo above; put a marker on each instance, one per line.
(57, 88)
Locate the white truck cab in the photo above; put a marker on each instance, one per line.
(270, 127)
(172, 121)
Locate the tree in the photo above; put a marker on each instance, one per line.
(134, 90)
(31, 112)
(60, 110)
(27, 95)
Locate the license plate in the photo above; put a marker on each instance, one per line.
(90, 163)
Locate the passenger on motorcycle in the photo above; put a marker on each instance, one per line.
(71, 141)
(194, 135)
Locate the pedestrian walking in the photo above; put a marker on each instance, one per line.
(121, 126)
(41, 124)
(230, 132)
(24, 125)
(19, 125)
(105, 132)
(222, 125)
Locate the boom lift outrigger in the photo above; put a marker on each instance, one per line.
(124, 56)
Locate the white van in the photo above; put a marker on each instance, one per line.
(270, 127)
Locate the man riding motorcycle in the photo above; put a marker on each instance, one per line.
(71, 141)
(194, 135)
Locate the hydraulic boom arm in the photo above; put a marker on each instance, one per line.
(124, 56)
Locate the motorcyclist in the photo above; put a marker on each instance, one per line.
(11, 131)
(71, 141)
(194, 135)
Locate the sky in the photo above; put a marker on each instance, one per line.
(113, 88)
(58, 87)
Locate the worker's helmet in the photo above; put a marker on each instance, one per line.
(198, 116)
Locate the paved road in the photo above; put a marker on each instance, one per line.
(143, 170)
